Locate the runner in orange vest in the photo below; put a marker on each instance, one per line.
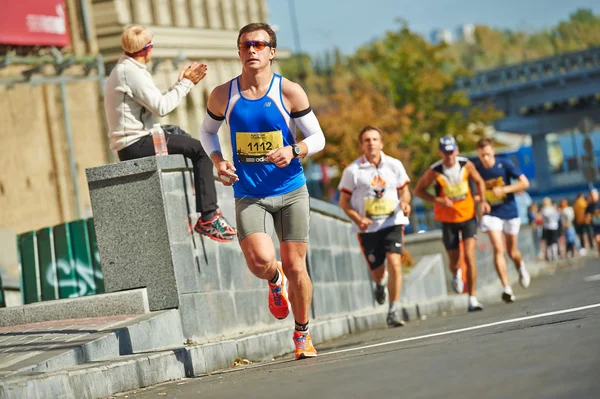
(454, 207)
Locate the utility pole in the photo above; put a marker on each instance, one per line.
(296, 39)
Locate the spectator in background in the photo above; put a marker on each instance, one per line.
(550, 221)
(535, 221)
(567, 216)
(592, 215)
(580, 226)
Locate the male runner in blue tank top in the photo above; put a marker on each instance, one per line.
(504, 215)
(262, 110)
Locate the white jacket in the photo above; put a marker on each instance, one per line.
(132, 101)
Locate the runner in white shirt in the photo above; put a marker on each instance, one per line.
(375, 195)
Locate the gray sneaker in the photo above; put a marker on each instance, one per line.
(380, 293)
(393, 320)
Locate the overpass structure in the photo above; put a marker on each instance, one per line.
(550, 95)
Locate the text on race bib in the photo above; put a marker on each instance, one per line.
(379, 207)
(252, 147)
(489, 193)
(494, 199)
(457, 191)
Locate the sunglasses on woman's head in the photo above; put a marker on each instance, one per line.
(259, 45)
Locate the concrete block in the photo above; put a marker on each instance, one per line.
(162, 330)
(327, 299)
(205, 263)
(427, 280)
(220, 355)
(129, 302)
(369, 320)
(342, 262)
(361, 295)
(146, 201)
(329, 329)
(142, 243)
(320, 234)
(135, 167)
(187, 277)
(251, 307)
(322, 266)
(265, 346)
(207, 314)
(234, 273)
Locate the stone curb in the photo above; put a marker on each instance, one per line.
(129, 302)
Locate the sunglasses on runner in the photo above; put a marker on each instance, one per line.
(259, 45)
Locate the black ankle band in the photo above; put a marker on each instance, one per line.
(301, 327)
(275, 278)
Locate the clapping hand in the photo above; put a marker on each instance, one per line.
(195, 72)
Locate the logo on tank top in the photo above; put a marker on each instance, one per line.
(379, 207)
(378, 183)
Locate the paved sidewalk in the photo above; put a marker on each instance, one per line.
(25, 346)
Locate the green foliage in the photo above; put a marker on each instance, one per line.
(494, 47)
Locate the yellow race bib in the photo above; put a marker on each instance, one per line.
(489, 193)
(494, 199)
(457, 191)
(379, 207)
(252, 147)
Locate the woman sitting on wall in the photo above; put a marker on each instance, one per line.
(132, 101)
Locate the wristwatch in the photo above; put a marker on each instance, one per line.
(295, 150)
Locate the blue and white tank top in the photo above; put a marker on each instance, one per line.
(257, 127)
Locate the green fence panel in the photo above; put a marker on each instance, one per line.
(47, 264)
(83, 258)
(29, 268)
(95, 257)
(65, 264)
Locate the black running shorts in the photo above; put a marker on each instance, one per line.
(451, 231)
(376, 245)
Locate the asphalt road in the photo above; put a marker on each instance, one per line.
(545, 345)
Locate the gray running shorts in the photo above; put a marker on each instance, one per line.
(288, 214)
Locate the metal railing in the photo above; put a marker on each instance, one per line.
(529, 73)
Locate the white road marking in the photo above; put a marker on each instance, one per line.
(595, 277)
(497, 323)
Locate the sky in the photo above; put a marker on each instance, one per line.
(348, 24)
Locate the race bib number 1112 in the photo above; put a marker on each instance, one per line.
(253, 147)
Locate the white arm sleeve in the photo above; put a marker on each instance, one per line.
(313, 135)
(209, 133)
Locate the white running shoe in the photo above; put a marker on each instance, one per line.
(524, 277)
(457, 283)
(508, 296)
(474, 305)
